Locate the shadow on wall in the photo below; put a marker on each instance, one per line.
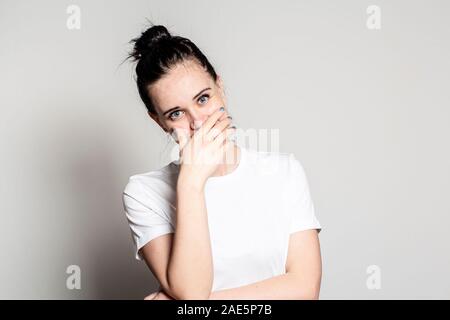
(99, 239)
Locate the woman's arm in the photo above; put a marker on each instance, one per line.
(287, 286)
(301, 280)
(182, 262)
(190, 268)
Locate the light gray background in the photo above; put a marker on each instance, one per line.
(365, 111)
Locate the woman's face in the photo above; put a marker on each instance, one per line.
(185, 97)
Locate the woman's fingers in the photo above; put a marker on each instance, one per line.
(217, 129)
(210, 122)
(151, 296)
(181, 136)
(202, 152)
(163, 296)
(223, 137)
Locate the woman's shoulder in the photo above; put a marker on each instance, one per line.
(159, 182)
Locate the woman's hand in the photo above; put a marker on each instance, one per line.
(158, 295)
(201, 154)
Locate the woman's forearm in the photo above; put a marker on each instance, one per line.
(287, 286)
(190, 269)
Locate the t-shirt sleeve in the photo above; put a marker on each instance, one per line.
(146, 221)
(299, 202)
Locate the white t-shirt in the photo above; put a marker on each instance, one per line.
(251, 213)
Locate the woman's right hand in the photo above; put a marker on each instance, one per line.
(201, 154)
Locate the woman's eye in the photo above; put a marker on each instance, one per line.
(172, 117)
(203, 101)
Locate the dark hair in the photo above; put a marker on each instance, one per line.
(156, 51)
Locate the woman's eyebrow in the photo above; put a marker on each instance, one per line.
(200, 93)
(174, 108)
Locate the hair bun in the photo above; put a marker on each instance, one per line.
(148, 40)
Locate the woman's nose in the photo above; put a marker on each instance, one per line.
(197, 119)
(196, 124)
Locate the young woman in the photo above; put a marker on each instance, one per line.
(223, 221)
